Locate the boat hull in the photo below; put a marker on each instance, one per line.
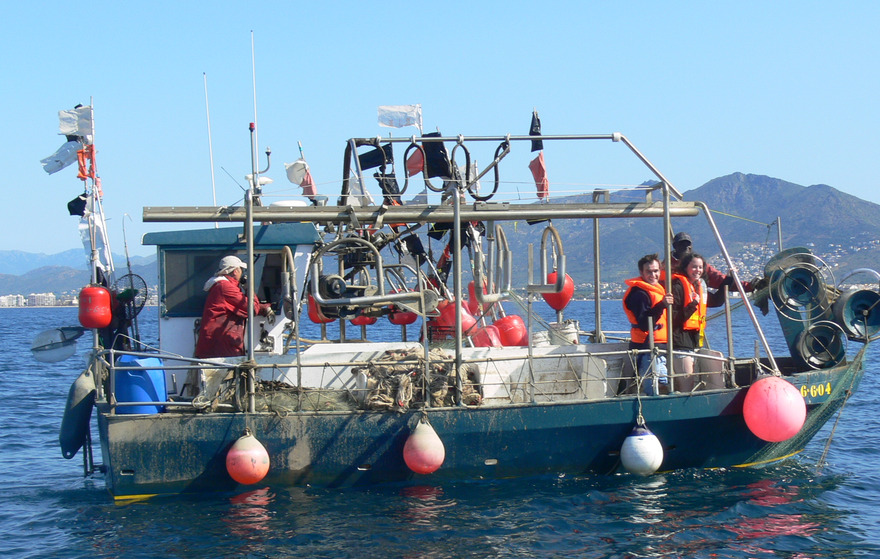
(174, 452)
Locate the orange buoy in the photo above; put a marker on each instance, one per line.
(247, 460)
(559, 301)
(774, 409)
(512, 330)
(423, 451)
(94, 307)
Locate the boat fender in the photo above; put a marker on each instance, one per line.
(641, 452)
(247, 460)
(423, 451)
(77, 414)
(774, 409)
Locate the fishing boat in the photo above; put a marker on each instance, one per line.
(461, 382)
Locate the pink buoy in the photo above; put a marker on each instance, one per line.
(487, 337)
(774, 409)
(247, 460)
(559, 301)
(512, 330)
(423, 451)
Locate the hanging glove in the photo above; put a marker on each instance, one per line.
(270, 315)
(759, 283)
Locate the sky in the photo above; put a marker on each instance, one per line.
(703, 89)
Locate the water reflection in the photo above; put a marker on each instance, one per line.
(249, 513)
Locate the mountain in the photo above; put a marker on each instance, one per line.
(59, 279)
(16, 262)
(839, 228)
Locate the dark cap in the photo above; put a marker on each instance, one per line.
(681, 237)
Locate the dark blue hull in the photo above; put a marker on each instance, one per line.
(172, 453)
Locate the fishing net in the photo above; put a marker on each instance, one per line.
(844, 384)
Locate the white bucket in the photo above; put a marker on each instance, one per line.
(564, 333)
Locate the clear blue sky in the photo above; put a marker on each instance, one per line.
(785, 89)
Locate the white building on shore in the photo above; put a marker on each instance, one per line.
(41, 300)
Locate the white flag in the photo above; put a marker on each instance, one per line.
(76, 122)
(398, 116)
(63, 156)
(296, 171)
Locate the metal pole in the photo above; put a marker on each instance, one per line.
(779, 232)
(249, 239)
(667, 242)
(739, 287)
(456, 287)
(599, 337)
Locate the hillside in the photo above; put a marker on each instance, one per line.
(840, 228)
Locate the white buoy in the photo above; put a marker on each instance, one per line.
(423, 451)
(641, 452)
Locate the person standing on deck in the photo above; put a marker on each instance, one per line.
(646, 299)
(682, 246)
(691, 299)
(221, 333)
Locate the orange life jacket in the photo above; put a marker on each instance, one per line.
(697, 321)
(656, 293)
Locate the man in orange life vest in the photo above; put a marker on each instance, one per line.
(646, 299)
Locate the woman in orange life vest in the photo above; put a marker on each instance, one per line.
(691, 299)
(646, 299)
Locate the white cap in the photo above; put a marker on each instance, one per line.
(231, 262)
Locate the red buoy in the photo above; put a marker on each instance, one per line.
(363, 320)
(774, 409)
(247, 460)
(487, 337)
(512, 330)
(402, 318)
(447, 317)
(315, 314)
(94, 307)
(423, 451)
(559, 301)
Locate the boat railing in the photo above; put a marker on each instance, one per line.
(498, 376)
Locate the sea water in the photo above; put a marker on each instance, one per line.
(791, 510)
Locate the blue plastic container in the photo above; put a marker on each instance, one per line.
(146, 385)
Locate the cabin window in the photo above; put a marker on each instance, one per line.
(185, 274)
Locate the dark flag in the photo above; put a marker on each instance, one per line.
(437, 157)
(535, 130)
(376, 157)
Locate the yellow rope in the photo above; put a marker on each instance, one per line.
(740, 217)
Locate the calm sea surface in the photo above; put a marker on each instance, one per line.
(790, 510)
